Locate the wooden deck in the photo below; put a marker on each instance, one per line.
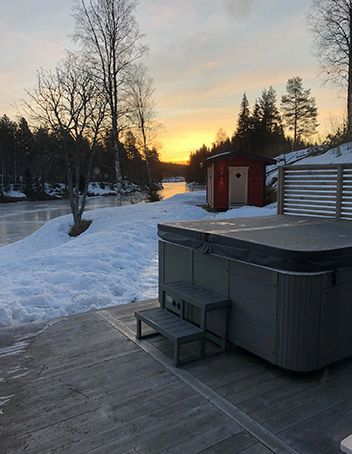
(82, 384)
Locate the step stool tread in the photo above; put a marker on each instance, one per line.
(169, 325)
(196, 295)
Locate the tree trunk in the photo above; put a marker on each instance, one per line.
(77, 184)
(71, 195)
(86, 184)
(349, 87)
(349, 101)
(149, 170)
(295, 132)
(15, 161)
(118, 176)
(116, 150)
(2, 173)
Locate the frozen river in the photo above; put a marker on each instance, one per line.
(18, 220)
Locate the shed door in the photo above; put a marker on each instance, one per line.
(238, 185)
(210, 185)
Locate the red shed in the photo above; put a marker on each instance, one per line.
(236, 178)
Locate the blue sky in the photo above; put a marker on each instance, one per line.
(203, 54)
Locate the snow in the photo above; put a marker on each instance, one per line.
(14, 193)
(106, 189)
(308, 156)
(97, 189)
(346, 445)
(293, 157)
(174, 180)
(49, 274)
(57, 190)
(340, 155)
(218, 155)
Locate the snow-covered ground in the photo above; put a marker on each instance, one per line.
(48, 274)
(340, 155)
(13, 193)
(58, 190)
(308, 156)
(106, 189)
(115, 262)
(174, 180)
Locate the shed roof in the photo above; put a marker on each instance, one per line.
(239, 153)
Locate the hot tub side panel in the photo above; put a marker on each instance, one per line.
(336, 326)
(299, 316)
(252, 290)
(175, 264)
(211, 273)
(298, 322)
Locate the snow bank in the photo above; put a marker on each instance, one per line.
(14, 193)
(308, 156)
(49, 275)
(340, 155)
(174, 180)
(106, 189)
(57, 190)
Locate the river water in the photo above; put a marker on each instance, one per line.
(18, 220)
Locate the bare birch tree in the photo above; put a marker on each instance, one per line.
(142, 113)
(68, 103)
(110, 38)
(331, 23)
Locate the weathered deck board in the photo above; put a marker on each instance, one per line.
(89, 389)
(79, 385)
(312, 413)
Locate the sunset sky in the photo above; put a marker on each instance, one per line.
(203, 54)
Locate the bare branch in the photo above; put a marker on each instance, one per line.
(331, 24)
(108, 33)
(140, 99)
(69, 103)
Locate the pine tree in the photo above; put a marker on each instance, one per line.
(133, 165)
(130, 146)
(299, 110)
(242, 134)
(267, 135)
(195, 172)
(268, 111)
(257, 130)
(24, 157)
(7, 150)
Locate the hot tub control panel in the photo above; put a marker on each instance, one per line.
(173, 305)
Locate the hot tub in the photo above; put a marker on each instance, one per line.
(289, 279)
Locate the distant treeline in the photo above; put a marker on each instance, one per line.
(172, 169)
(30, 158)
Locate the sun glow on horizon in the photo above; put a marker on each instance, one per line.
(176, 144)
(201, 63)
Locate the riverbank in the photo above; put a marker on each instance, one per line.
(17, 193)
(19, 220)
(114, 262)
